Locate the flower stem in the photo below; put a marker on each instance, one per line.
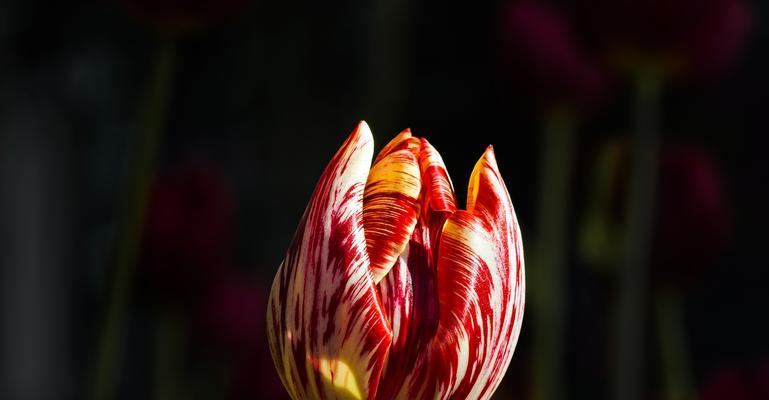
(168, 356)
(130, 225)
(671, 333)
(548, 268)
(632, 271)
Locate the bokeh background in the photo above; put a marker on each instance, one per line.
(156, 156)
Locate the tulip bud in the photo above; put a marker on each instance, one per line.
(548, 60)
(188, 234)
(181, 16)
(737, 383)
(226, 323)
(387, 291)
(692, 218)
(686, 38)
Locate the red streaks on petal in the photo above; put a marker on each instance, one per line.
(325, 326)
(489, 201)
(417, 329)
(438, 187)
(390, 209)
(465, 252)
(397, 299)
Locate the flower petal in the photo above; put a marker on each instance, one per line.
(503, 298)
(327, 333)
(409, 296)
(438, 201)
(438, 186)
(397, 294)
(390, 209)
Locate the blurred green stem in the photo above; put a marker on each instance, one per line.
(632, 271)
(168, 356)
(674, 349)
(547, 270)
(142, 170)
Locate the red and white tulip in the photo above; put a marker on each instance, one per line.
(388, 291)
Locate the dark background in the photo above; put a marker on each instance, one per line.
(259, 97)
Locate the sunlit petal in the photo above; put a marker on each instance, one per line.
(438, 186)
(324, 319)
(390, 209)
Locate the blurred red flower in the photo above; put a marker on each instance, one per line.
(181, 16)
(233, 318)
(547, 57)
(737, 383)
(692, 216)
(693, 38)
(693, 224)
(233, 322)
(188, 233)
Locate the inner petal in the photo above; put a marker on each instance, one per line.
(439, 190)
(409, 298)
(390, 209)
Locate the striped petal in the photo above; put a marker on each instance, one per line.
(438, 186)
(438, 196)
(439, 190)
(416, 314)
(390, 209)
(493, 315)
(397, 294)
(328, 335)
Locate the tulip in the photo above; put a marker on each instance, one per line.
(181, 16)
(686, 38)
(188, 234)
(693, 216)
(227, 325)
(737, 383)
(388, 291)
(549, 59)
(692, 224)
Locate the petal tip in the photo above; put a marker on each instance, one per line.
(490, 157)
(363, 130)
(484, 173)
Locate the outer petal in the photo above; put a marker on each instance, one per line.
(489, 200)
(480, 278)
(327, 333)
(390, 209)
